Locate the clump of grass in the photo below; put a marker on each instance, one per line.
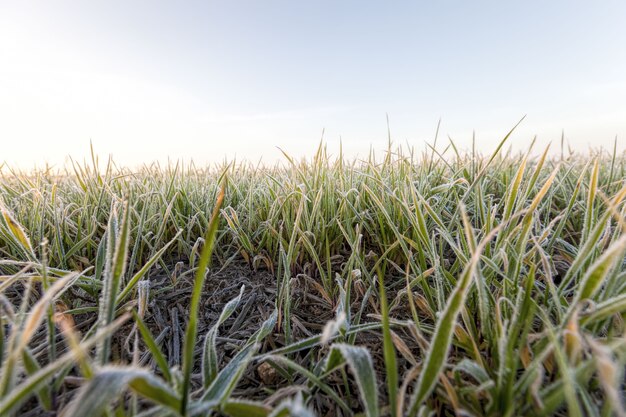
(458, 283)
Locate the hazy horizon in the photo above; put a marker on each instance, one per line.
(152, 81)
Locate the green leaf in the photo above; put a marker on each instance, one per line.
(596, 274)
(115, 266)
(442, 339)
(17, 232)
(30, 385)
(229, 376)
(389, 352)
(209, 355)
(144, 270)
(604, 310)
(194, 307)
(292, 408)
(265, 329)
(153, 347)
(110, 382)
(31, 366)
(310, 376)
(360, 363)
(245, 408)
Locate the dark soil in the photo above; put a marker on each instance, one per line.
(167, 316)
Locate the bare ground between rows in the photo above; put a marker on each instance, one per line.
(168, 313)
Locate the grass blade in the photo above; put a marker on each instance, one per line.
(192, 327)
(98, 395)
(360, 363)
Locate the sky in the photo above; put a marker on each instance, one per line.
(206, 80)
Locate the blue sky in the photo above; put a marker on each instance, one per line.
(148, 80)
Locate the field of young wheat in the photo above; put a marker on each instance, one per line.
(432, 283)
